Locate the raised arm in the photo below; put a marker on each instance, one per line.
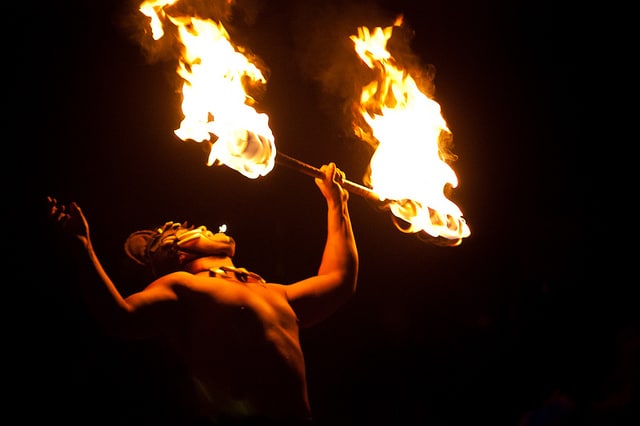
(132, 317)
(317, 297)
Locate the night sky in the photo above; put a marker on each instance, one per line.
(501, 330)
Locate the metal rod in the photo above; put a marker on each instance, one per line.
(309, 170)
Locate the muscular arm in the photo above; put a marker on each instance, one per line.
(317, 297)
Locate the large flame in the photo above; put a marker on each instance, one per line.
(407, 167)
(216, 107)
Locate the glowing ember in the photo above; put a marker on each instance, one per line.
(406, 127)
(215, 103)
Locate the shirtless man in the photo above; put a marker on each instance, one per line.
(237, 335)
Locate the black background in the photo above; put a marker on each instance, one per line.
(501, 330)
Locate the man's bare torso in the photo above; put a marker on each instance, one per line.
(240, 343)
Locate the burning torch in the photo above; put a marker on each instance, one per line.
(407, 170)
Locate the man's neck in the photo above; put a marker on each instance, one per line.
(202, 265)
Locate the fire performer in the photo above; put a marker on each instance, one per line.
(237, 335)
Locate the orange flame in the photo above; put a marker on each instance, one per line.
(406, 126)
(215, 104)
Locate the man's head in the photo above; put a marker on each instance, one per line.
(167, 248)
